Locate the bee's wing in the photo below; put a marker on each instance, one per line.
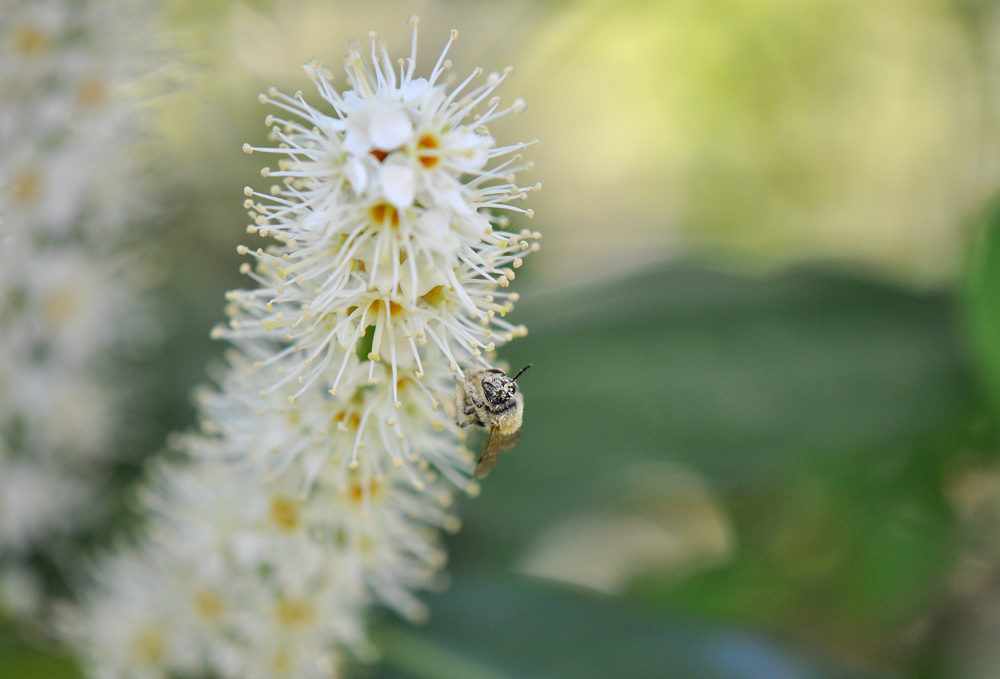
(510, 440)
(491, 453)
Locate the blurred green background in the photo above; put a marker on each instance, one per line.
(761, 433)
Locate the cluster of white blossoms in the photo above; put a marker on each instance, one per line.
(325, 468)
(69, 122)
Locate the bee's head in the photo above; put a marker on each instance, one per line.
(498, 388)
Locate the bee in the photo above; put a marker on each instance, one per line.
(488, 398)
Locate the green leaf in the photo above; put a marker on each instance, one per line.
(515, 628)
(847, 554)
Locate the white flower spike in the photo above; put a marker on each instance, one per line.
(71, 77)
(325, 468)
(392, 217)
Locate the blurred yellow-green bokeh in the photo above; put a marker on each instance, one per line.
(763, 131)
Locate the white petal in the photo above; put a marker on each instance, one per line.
(383, 278)
(247, 548)
(356, 140)
(450, 196)
(357, 175)
(428, 276)
(399, 184)
(471, 159)
(433, 224)
(434, 230)
(467, 151)
(389, 128)
(413, 89)
(352, 101)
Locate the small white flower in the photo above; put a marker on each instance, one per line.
(35, 501)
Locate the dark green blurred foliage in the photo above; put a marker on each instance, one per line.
(24, 655)
(489, 627)
(828, 408)
(983, 297)
(750, 381)
(851, 557)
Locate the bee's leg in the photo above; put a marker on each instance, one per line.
(472, 396)
(461, 409)
(462, 399)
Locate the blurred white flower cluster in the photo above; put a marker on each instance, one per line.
(69, 125)
(325, 468)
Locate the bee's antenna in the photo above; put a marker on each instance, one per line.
(520, 371)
